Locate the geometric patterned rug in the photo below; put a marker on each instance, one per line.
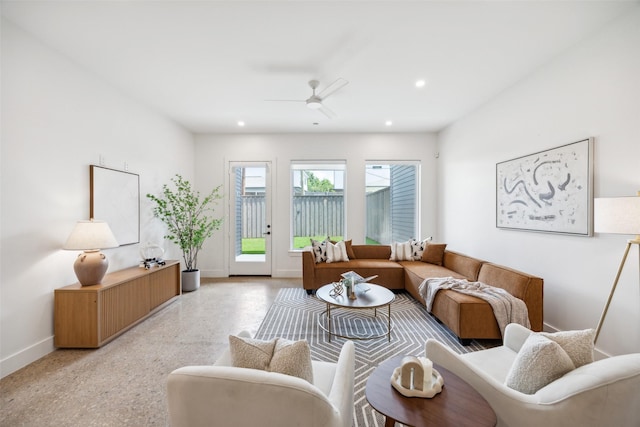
(294, 315)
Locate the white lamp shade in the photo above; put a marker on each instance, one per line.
(91, 235)
(617, 215)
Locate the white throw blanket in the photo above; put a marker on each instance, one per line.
(506, 308)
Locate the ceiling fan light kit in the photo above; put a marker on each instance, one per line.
(314, 104)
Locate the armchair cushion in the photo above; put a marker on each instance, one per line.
(539, 362)
(577, 344)
(278, 355)
(250, 353)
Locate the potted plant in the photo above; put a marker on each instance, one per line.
(189, 223)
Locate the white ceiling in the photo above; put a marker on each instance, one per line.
(208, 64)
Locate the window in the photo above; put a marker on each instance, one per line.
(391, 206)
(317, 200)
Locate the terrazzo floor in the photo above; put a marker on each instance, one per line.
(124, 382)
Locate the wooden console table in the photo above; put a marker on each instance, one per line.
(91, 316)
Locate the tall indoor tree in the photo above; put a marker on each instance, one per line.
(190, 222)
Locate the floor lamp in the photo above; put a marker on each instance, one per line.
(617, 215)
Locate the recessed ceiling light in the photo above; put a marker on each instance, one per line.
(388, 123)
(421, 83)
(240, 123)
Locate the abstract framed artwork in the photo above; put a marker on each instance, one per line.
(549, 191)
(115, 199)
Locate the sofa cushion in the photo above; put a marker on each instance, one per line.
(277, 355)
(418, 247)
(416, 271)
(319, 249)
(371, 251)
(577, 344)
(336, 252)
(434, 253)
(390, 274)
(350, 253)
(462, 264)
(539, 362)
(401, 251)
(349, 246)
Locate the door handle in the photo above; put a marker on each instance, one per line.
(268, 232)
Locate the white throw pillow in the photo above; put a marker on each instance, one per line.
(292, 358)
(577, 344)
(418, 247)
(277, 355)
(539, 362)
(251, 353)
(401, 251)
(337, 252)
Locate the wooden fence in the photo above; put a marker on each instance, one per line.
(316, 214)
(320, 214)
(379, 215)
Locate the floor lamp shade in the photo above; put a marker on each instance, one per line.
(91, 236)
(617, 215)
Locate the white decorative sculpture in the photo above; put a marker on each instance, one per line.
(415, 377)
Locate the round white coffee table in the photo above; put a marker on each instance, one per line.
(368, 296)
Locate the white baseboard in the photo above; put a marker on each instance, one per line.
(277, 273)
(288, 273)
(24, 357)
(213, 273)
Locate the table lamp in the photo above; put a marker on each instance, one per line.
(91, 236)
(617, 215)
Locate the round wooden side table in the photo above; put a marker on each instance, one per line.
(458, 404)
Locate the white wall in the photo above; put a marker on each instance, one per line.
(56, 121)
(214, 151)
(593, 90)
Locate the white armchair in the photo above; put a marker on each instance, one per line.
(601, 393)
(222, 395)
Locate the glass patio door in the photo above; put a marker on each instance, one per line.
(250, 218)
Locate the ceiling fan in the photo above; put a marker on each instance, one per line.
(315, 100)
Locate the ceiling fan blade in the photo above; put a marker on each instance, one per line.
(285, 100)
(339, 83)
(327, 112)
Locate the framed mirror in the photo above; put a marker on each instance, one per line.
(115, 199)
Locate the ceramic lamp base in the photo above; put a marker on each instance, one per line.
(90, 267)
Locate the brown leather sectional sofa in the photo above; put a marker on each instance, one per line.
(466, 316)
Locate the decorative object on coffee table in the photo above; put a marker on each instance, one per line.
(338, 288)
(617, 215)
